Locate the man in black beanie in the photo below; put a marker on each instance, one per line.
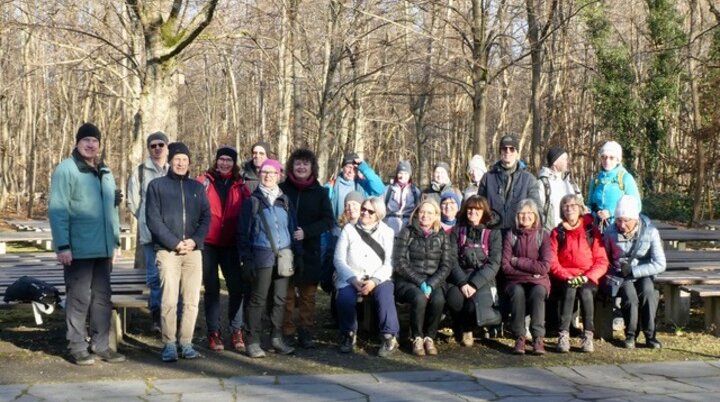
(555, 182)
(260, 152)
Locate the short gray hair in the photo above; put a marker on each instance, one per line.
(529, 203)
(378, 205)
(568, 198)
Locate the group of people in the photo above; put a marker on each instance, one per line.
(498, 249)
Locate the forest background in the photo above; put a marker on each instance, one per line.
(423, 80)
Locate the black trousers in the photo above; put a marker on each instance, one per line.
(425, 314)
(524, 297)
(639, 299)
(263, 281)
(229, 261)
(586, 294)
(87, 299)
(461, 309)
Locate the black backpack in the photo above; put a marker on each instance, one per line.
(29, 289)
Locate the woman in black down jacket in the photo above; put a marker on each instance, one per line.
(422, 258)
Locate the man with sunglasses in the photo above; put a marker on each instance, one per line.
(154, 166)
(508, 182)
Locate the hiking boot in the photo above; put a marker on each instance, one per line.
(110, 356)
(539, 345)
(389, 345)
(347, 343)
(653, 343)
(187, 352)
(306, 339)
(430, 348)
(418, 346)
(169, 353)
(237, 339)
(519, 348)
(82, 358)
(563, 345)
(215, 341)
(254, 351)
(280, 347)
(156, 325)
(586, 345)
(629, 342)
(467, 339)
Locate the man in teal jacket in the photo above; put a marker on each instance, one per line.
(83, 214)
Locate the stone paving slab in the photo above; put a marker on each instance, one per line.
(422, 376)
(209, 396)
(695, 397)
(89, 391)
(708, 383)
(327, 378)
(673, 369)
(534, 380)
(11, 392)
(188, 386)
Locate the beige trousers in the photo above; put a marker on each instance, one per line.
(179, 274)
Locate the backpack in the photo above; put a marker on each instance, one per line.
(484, 241)
(415, 192)
(618, 179)
(562, 235)
(546, 185)
(538, 238)
(29, 289)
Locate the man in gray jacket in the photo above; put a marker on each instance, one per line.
(155, 166)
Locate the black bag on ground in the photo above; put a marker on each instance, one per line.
(486, 311)
(29, 289)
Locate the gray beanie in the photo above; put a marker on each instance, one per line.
(443, 165)
(354, 196)
(158, 135)
(404, 166)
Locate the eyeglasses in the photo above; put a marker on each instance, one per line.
(507, 149)
(157, 145)
(369, 211)
(571, 206)
(225, 159)
(268, 173)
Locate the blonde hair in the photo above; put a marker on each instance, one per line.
(434, 205)
(527, 203)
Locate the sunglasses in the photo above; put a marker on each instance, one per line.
(158, 145)
(369, 211)
(508, 149)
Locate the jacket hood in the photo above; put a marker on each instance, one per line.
(497, 166)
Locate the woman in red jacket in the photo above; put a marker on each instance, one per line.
(579, 261)
(226, 192)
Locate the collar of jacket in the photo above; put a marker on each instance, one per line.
(175, 176)
(281, 200)
(249, 170)
(519, 166)
(83, 166)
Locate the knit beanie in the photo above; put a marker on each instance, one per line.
(477, 162)
(443, 165)
(158, 135)
(404, 166)
(554, 154)
(450, 194)
(87, 130)
(611, 148)
(509, 141)
(227, 151)
(354, 196)
(349, 158)
(272, 162)
(178, 148)
(264, 146)
(627, 207)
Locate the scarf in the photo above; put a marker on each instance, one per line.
(368, 230)
(270, 193)
(302, 184)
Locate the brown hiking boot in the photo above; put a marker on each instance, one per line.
(519, 348)
(539, 345)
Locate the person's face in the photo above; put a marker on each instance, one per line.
(427, 216)
(562, 163)
(609, 162)
(571, 211)
(449, 209)
(625, 225)
(368, 216)
(158, 150)
(302, 169)
(475, 175)
(402, 177)
(258, 156)
(88, 148)
(508, 155)
(180, 164)
(349, 171)
(474, 215)
(224, 164)
(526, 217)
(269, 176)
(440, 175)
(352, 211)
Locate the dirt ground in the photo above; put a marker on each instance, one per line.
(33, 354)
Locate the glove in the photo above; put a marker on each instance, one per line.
(426, 289)
(626, 269)
(118, 197)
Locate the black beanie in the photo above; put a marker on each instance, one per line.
(226, 151)
(87, 130)
(264, 146)
(158, 135)
(177, 148)
(349, 158)
(553, 154)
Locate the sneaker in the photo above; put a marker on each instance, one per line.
(586, 345)
(539, 345)
(169, 353)
(430, 348)
(110, 356)
(215, 341)
(653, 343)
(519, 348)
(187, 352)
(280, 347)
(82, 358)
(418, 346)
(347, 342)
(237, 339)
(306, 339)
(629, 342)
(389, 345)
(563, 345)
(254, 351)
(467, 339)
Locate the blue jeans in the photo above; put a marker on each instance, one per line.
(384, 298)
(152, 277)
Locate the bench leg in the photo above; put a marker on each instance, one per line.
(677, 305)
(712, 315)
(3, 248)
(116, 331)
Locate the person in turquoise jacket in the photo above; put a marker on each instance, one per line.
(611, 183)
(355, 175)
(83, 213)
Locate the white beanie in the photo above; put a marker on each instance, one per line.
(611, 148)
(477, 162)
(627, 207)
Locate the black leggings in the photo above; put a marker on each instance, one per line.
(586, 293)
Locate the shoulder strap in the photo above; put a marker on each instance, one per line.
(485, 236)
(389, 193)
(141, 179)
(513, 238)
(620, 177)
(539, 237)
(416, 194)
(589, 235)
(462, 236)
(377, 248)
(561, 236)
(206, 183)
(546, 184)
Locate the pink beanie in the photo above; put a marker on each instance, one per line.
(273, 163)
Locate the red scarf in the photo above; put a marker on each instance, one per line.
(302, 184)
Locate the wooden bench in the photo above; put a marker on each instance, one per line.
(710, 295)
(677, 300)
(43, 240)
(677, 239)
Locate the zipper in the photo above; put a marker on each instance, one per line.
(182, 197)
